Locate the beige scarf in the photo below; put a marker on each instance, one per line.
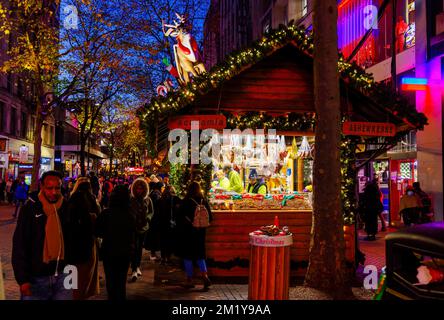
(54, 249)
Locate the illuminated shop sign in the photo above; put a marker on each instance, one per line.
(355, 17)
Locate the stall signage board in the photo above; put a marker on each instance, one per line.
(266, 241)
(376, 129)
(213, 121)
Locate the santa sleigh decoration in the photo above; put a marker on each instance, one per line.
(186, 52)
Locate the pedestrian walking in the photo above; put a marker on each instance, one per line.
(83, 211)
(20, 195)
(192, 238)
(2, 190)
(153, 236)
(142, 211)
(426, 203)
(41, 243)
(116, 226)
(410, 207)
(9, 190)
(168, 206)
(372, 208)
(95, 185)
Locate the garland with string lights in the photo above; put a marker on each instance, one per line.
(240, 60)
(236, 62)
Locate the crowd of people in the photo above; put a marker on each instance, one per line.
(94, 218)
(415, 207)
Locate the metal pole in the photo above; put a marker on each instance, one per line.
(2, 287)
(393, 66)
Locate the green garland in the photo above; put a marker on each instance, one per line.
(348, 178)
(181, 175)
(237, 61)
(258, 120)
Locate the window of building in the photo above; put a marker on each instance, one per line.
(304, 7)
(266, 22)
(20, 87)
(31, 129)
(23, 125)
(45, 134)
(10, 83)
(13, 125)
(51, 135)
(436, 17)
(2, 110)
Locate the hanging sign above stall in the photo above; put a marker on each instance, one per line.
(212, 121)
(376, 129)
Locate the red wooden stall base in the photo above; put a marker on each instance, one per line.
(269, 276)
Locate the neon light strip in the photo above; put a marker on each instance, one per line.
(414, 87)
(419, 81)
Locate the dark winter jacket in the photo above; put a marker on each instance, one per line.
(21, 192)
(116, 226)
(191, 240)
(141, 207)
(83, 211)
(29, 240)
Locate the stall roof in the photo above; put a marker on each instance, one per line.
(275, 75)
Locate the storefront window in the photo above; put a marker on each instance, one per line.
(356, 17)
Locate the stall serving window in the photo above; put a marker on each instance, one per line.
(257, 173)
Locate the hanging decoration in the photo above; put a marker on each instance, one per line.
(350, 73)
(163, 89)
(294, 149)
(170, 68)
(304, 150)
(186, 52)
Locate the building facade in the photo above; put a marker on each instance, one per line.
(227, 27)
(419, 47)
(67, 149)
(17, 123)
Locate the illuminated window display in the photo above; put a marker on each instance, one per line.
(252, 173)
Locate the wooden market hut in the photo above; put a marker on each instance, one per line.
(274, 77)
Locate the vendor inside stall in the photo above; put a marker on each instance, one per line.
(234, 179)
(257, 184)
(278, 179)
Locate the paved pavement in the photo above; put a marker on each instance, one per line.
(160, 282)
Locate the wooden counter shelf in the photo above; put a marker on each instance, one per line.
(227, 242)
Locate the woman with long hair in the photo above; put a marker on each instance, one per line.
(192, 239)
(83, 211)
(116, 227)
(168, 207)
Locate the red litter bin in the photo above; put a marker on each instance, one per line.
(269, 277)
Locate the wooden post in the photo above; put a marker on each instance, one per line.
(300, 174)
(2, 287)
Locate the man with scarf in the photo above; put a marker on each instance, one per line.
(41, 243)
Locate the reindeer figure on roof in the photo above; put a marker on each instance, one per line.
(186, 52)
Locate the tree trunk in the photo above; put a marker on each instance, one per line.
(326, 269)
(111, 158)
(82, 155)
(37, 147)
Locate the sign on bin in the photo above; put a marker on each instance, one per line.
(267, 241)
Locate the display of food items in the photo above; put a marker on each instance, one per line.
(273, 230)
(295, 201)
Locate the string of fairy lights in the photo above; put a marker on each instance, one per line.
(238, 61)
